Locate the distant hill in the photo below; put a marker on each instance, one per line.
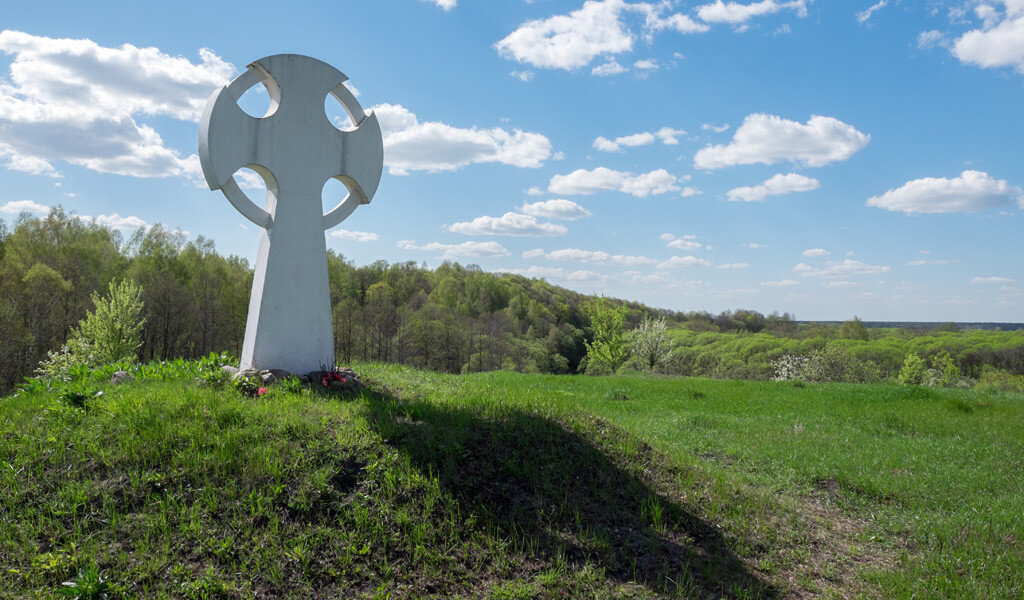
(932, 325)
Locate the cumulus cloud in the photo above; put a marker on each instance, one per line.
(570, 41)
(1000, 40)
(684, 261)
(412, 145)
(640, 185)
(598, 28)
(865, 15)
(445, 4)
(991, 280)
(355, 236)
(777, 185)
(970, 192)
(75, 101)
(735, 13)
(769, 139)
(781, 283)
(612, 67)
(841, 269)
(16, 207)
(454, 251)
(559, 208)
(647, 64)
(116, 221)
(630, 141)
(689, 191)
(813, 252)
(511, 223)
(667, 136)
(597, 257)
(687, 242)
(753, 245)
(739, 265)
(715, 128)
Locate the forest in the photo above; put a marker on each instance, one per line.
(451, 318)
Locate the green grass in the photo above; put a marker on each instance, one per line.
(507, 486)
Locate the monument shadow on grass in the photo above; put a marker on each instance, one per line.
(553, 490)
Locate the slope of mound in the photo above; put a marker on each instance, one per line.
(491, 486)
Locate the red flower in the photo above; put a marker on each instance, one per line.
(261, 391)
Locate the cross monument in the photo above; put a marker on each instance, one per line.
(295, 149)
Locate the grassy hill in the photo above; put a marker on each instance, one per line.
(502, 486)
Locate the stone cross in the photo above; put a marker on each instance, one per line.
(296, 149)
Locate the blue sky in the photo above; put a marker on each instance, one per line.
(825, 158)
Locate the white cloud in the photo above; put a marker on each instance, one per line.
(735, 13)
(445, 4)
(355, 236)
(559, 208)
(464, 250)
(534, 191)
(524, 76)
(841, 269)
(676, 22)
(781, 283)
(570, 41)
(630, 141)
(715, 128)
(647, 64)
(687, 242)
(684, 261)
(669, 136)
(598, 28)
(411, 145)
(689, 191)
(640, 185)
(842, 283)
(740, 265)
(991, 280)
(116, 221)
(753, 245)
(589, 256)
(777, 185)
(1000, 41)
(812, 252)
(970, 192)
(865, 15)
(511, 223)
(930, 39)
(666, 135)
(75, 101)
(768, 139)
(612, 67)
(16, 207)
(539, 272)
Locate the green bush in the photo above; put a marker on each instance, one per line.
(913, 370)
(650, 344)
(999, 380)
(949, 374)
(110, 333)
(608, 350)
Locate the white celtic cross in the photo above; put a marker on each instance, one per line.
(296, 150)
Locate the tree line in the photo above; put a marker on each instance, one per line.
(451, 318)
(195, 301)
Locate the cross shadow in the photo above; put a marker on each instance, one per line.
(561, 498)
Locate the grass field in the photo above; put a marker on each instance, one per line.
(506, 486)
